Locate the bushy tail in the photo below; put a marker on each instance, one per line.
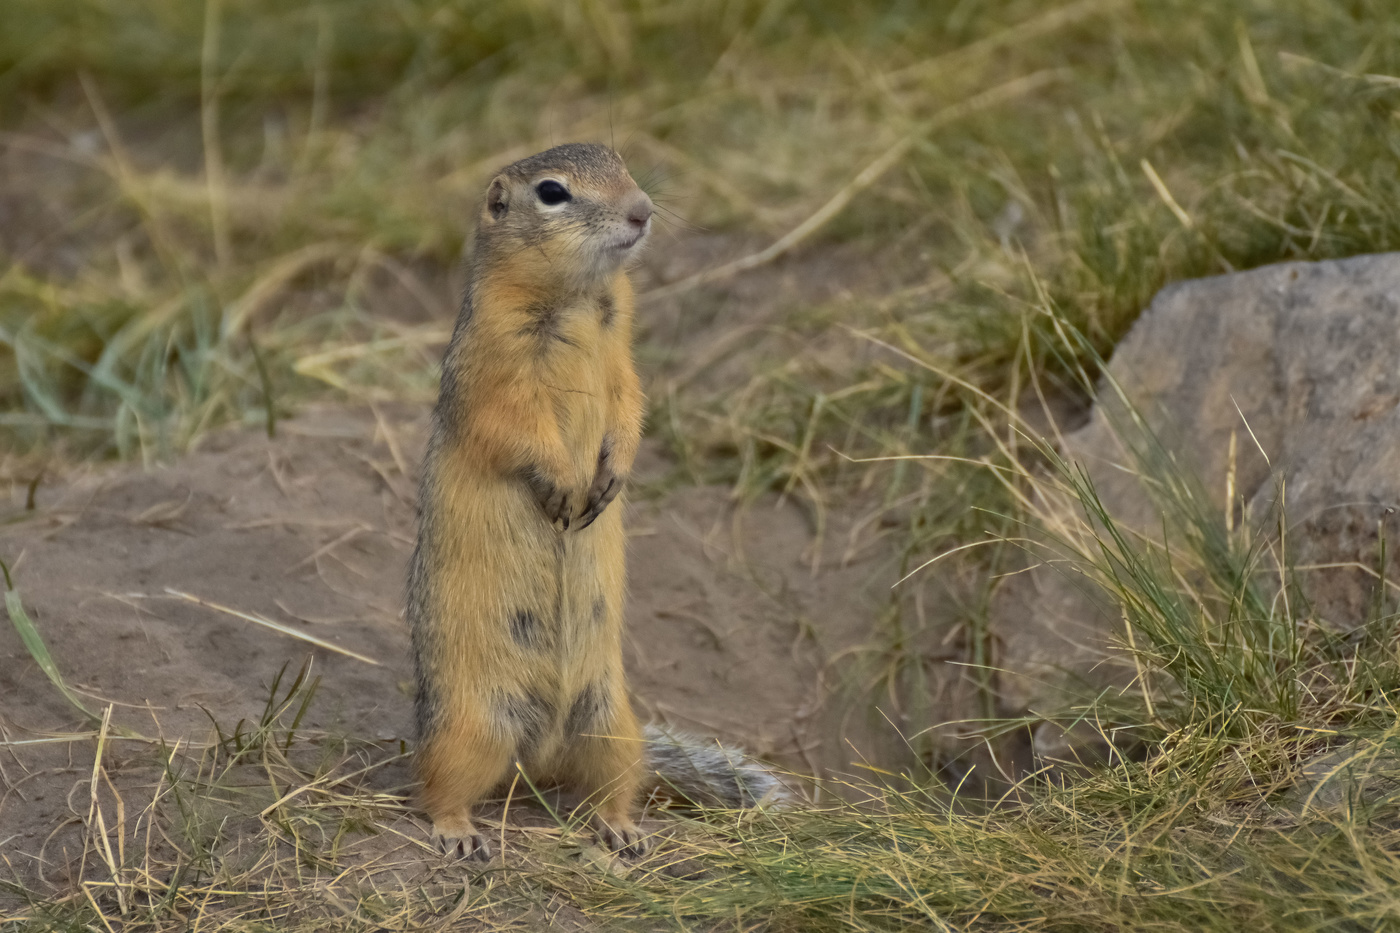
(697, 770)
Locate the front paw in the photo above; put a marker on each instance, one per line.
(606, 485)
(555, 501)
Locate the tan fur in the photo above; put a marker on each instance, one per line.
(516, 621)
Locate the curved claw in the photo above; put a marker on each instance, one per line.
(598, 499)
(554, 500)
(559, 512)
(471, 846)
(627, 841)
(604, 488)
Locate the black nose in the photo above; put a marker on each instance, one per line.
(639, 212)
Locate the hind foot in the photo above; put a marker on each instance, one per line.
(623, 837)
(458, 838)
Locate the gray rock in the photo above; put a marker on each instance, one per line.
(1300, 362)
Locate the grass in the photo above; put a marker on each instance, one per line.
(229, 210)
(1210, 816)
(1205, 820)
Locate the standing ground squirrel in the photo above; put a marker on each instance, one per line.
(515, 591)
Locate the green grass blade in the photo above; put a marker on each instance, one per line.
(39, 651)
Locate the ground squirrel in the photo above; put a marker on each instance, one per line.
(515, 592)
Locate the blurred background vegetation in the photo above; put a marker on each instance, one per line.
(205, 205)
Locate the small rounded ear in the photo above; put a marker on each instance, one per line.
(497, 198)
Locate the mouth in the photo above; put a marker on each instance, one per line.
(625, 242)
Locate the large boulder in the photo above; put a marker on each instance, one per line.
(1294, 366)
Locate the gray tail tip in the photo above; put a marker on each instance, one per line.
(700, 771)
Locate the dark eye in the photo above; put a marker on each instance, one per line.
(551, 192)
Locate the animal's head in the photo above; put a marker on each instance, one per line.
(575, 206)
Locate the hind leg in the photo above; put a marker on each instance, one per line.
(458, 763)
(602, 758)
